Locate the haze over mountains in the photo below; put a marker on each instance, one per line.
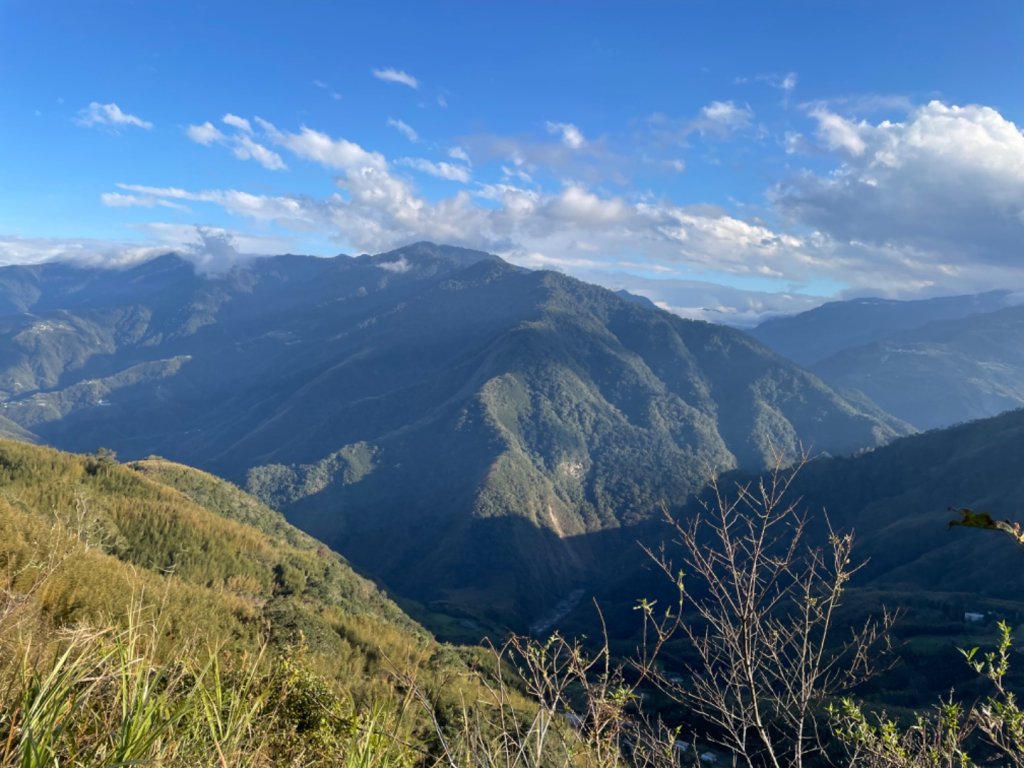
(451, 423)
(932, 363)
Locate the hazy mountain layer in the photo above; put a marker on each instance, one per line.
(943, 373)
(813, 336)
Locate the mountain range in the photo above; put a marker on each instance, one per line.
(456, 426)
(931, 363)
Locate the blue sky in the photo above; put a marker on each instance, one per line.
(729, 160)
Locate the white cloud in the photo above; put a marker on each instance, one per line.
(325, 87)
(783, 82)
(572, 137)
(839, 133)
(120, 200)
(247, 149)
(720, 120)
(236, 122)
(27, 250)
(934, 201)
(377, 211)
(398, 267)
(723, 118)
(187, 239)
(243, 146)
(396, 76)
(205, 134)
(583, 207)
(515, 173)
(174, 193)
(294, 212)
(441, 170)
(458, 153)
(109, 116)
(404, 128)
(931, 204)
(309, 144)
(698, 299)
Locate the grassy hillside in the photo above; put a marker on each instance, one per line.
(198, 573)
(152, 614)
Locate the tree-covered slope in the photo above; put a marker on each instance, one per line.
(449, 422)
(896, 499)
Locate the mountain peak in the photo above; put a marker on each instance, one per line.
(424, 250)
(165, 262)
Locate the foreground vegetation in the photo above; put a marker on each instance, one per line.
(151, 614)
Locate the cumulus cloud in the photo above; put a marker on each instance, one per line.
(442, 170)
(933, 198)
(211, 249)
(581, 207)
(397, 267)
(247, 149)
(723, 118)
(404, 128)
(571, 136)
(243, 146)
(120, 200)
(293, 212)
(698, 299)
(785, 82)
(236, 122)
(396, 76)
(376, 211)
(205, 134)
(718, 120)
(839, 133)
(931, 204)
(109, 116)
(339, 154)
(458, 153)
(36, 250)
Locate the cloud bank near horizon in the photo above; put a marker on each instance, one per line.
(926, 203)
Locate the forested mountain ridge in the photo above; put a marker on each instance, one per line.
(950, 584)
(451, 423)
